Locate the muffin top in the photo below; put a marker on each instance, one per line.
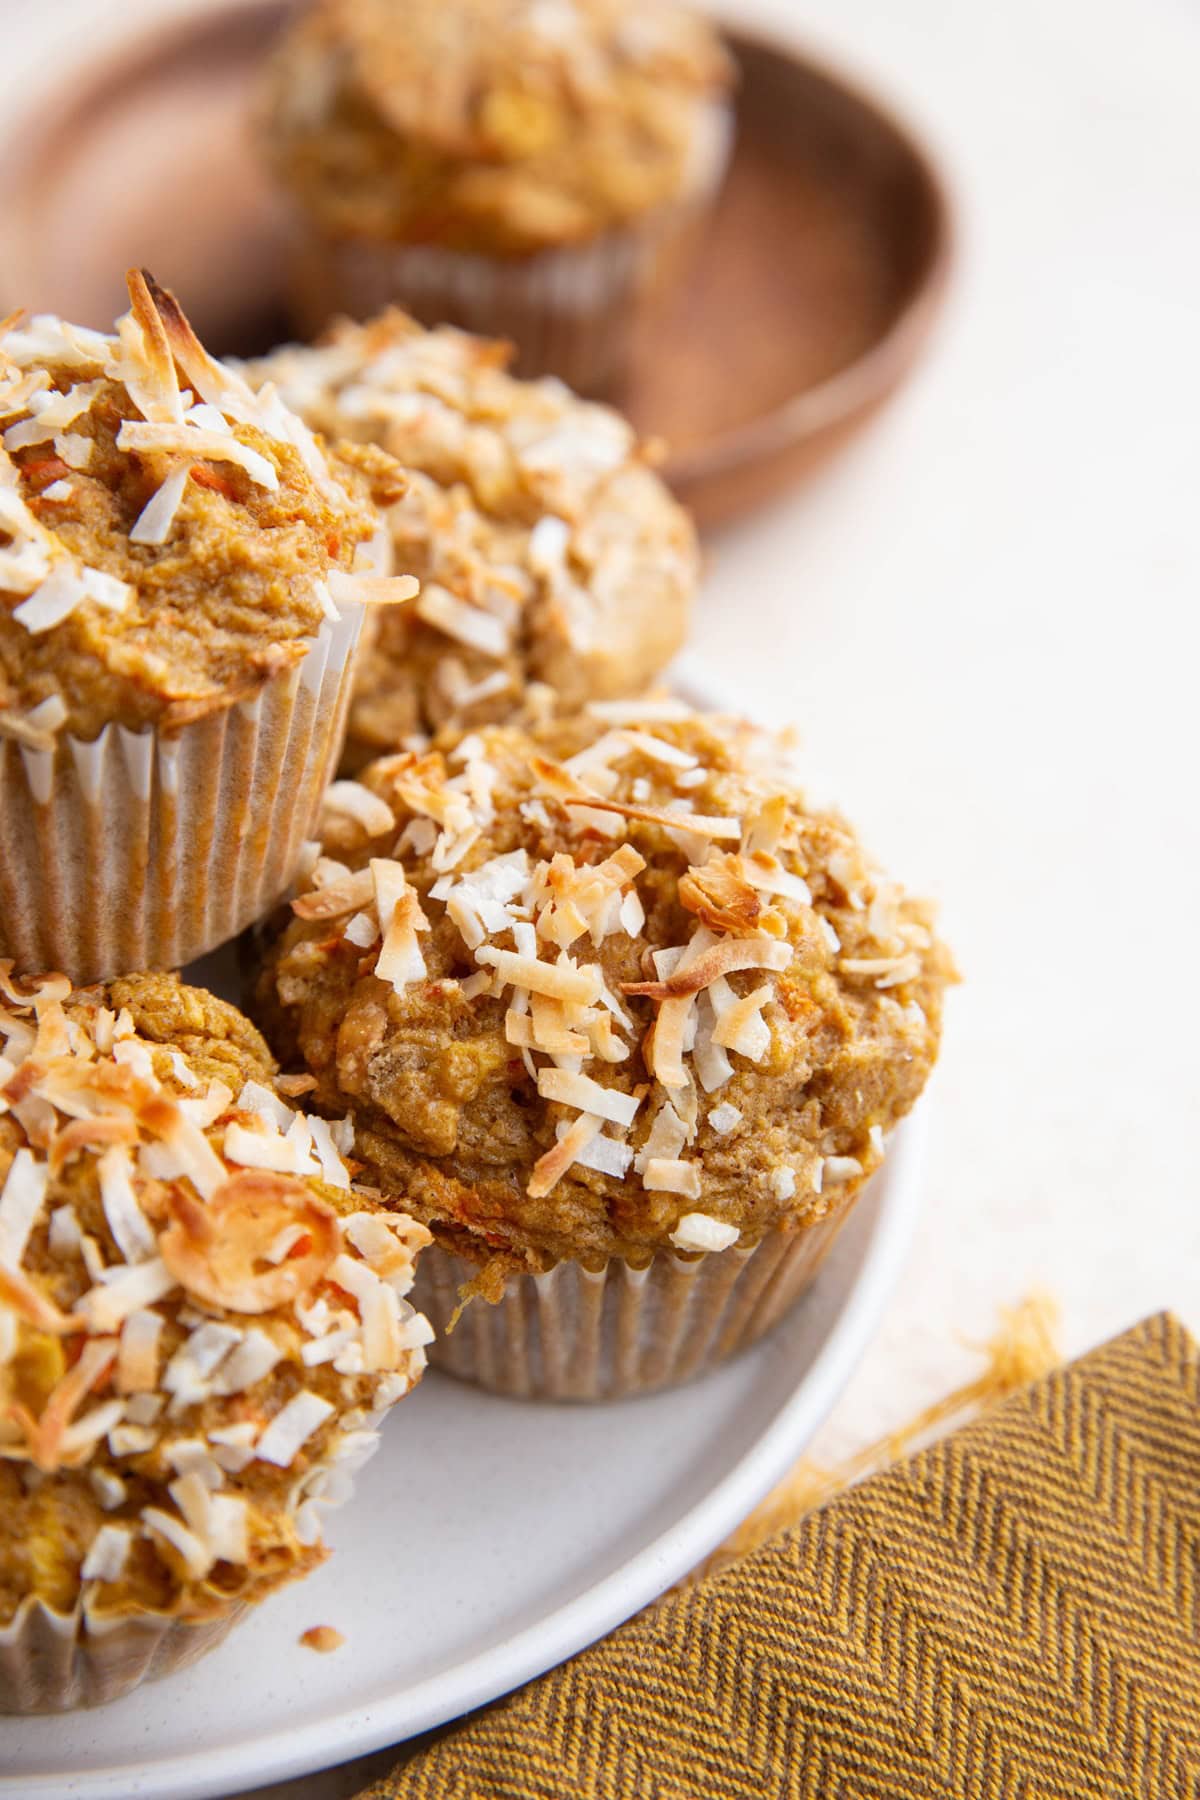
(604, 988)
(503, 126)
(200, 1319)
(547, 549)
(169, 539)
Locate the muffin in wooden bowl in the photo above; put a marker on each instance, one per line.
(529, 170)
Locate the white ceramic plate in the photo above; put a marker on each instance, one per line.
(488, 1541)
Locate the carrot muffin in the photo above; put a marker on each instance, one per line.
(525, 167)
(201, 1323)
(182, 578)
(620, 1018)
(548, 551)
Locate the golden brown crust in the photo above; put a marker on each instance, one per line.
(737, 1000)
(486, 125)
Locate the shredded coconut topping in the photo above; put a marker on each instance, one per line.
(221, 1228)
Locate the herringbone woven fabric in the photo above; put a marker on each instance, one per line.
(1013, 1614)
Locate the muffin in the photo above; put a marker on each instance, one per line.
(201, 1324)
(530, 168)
(621, 1019)
(547, 549)
(179, 614)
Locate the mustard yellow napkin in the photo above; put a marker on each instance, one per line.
(1013, 1614)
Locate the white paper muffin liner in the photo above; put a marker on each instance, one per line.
(570, 311)
(55, 1662)
(575, 1334)
(142, 851)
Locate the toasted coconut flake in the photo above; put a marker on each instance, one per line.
(214, 1251)
(333, 1169)
(351, 800)
(783, 1182)
(294, 1086)
(154, 523)
(768, 875)
(698, 1231)
(720, 894)
(372, 590)
(764, 831)
(154, 386)
(571, 1089)
(840, 1168)
(339, 897)
(658, 750)
(91, 1134)
(560, 981)
(198, 445)
(53, 600)
(18, 1293)
(190, 1152)
(672, 1177)
(525, 1032)
(197, 1559)
(107, 1554)
(265, 1147)
(400, 917)
(550, 1168)
(655, 709)
(663, 1045)
(20, 1206)
(247, 1364)
(255, 1098)
(106, 1308)
(699, 825)
(137, 1355)
(291, 1429)
(742, 1027)
(44, 1435)
(666, 1138)
(724, 1118)
(458, 619)
(726, 957)
(711, 1063)
(109, 1489)
(129, 1225)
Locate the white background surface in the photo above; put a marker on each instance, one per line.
(984, 620)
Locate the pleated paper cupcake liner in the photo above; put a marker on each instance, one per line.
(142, 850)
(572, 311)
(578, 1334)
(54, 1662)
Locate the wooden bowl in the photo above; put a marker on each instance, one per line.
(810, 299)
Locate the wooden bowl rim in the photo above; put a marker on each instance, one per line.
(839, 398)
(804, 415)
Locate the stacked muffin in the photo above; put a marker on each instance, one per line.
(592, 1030)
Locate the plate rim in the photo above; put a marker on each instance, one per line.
(292, 1752)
